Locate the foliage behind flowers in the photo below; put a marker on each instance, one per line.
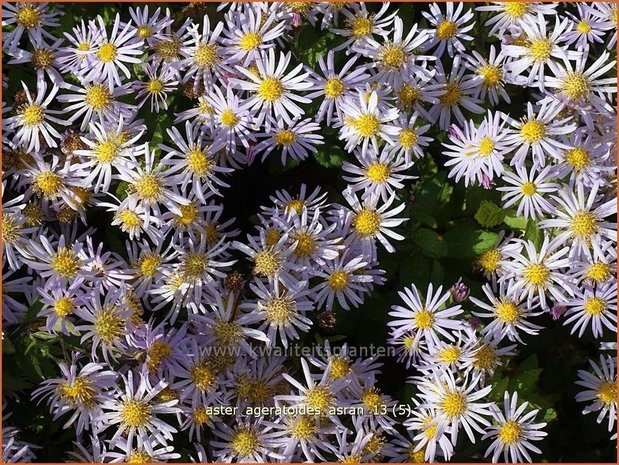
(192, 193)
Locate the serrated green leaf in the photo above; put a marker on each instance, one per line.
(515, 222)
(489, 214)
(534, 234)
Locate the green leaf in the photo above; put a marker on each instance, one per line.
(515, 222)
(534, 234)
(467, 241)
(432, 244)
(489, 214)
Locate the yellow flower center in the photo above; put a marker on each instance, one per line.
(228, 118)
(486, 146)
(250, 41)
(304, 428)
(424, 319)
(339, 367)
(578, 158)
(245, 441)
(594, 306)
(516, 9)
(583, 27)
(202, 376)
(198, 163)
(510, 432)
(139, 456)
(338, 280)
(528, 189)
(144, 32)
(491, 75)
(372, 399)
(446, 30)
(83, 47)
(295, 204)
(206, 55)
(266, 263)
(149, 264)
(378, 173)
(149, 187)
(271, 89)
(227, 333)
(393, 57)
(334, 87)
(408, 95)
(450, 354)
(575, 86)
(453, 404)
(319, 398)
(416, 457)
(48, 184)
(489, 260)
(607, 392)
(536, 274)
(598, 272)
(451, 95)
(583, 225)
(408, 342)
(135, 413)
(272, 236)
(285, 138)
(168, 394)
(42, 58)
(107, 151)
(98, 97)
(408, 138)
(108, 324)
(80, 392)
(157, 353)
(154, 86)
(200, 417)
(305, 245)
(33, 115)
(368, 125)
(194, 265)
(168, 50)
(129, 219)
(11, 230)
(485, 358)
(540, 49)
(367, 222)
(107, 52)
(533, 131)
(188, 215)
(507, 312)
(362, 27)
(280, 310)
(65, 262)
(64, 306)
(27, 17)
(211, 232)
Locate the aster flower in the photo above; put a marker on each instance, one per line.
(425, 317)
(600, 389)
(155, 90)
(509, 15)
(282, 310)
(448, 30)
(335, 85)
(597, 306)
(528, 189)
(111, 54)
(28, 17)
(295, 140)
(514, 432)
(135, 412)
(272, 89)
(363, 122)
(33, 119)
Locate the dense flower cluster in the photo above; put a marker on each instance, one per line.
(183, 317)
